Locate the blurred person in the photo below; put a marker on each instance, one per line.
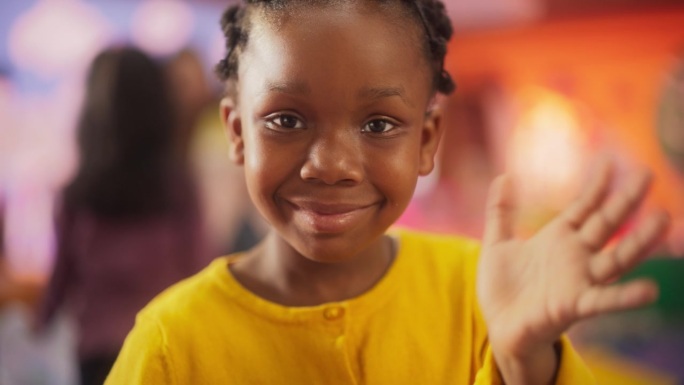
(129, 223)
(190, 92)
(231, 222)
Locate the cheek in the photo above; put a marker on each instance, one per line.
(263, 181)
(269, 165)
(397, 174)
(263, 170)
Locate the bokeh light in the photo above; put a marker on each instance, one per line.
(57, 36)
(162, 27)
(549, 148)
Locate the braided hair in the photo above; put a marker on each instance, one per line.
(430, 14)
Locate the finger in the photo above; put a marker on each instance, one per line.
(605, 299)
(591, 197)
(605, 220)
(631, 250)
(500, 211)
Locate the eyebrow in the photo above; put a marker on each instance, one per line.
(375, 93)
(296, 88)
(372, 93)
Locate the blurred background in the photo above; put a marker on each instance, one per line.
(545, 89)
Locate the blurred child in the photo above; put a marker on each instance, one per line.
(129, 223)
(330, 109)
(230, 220)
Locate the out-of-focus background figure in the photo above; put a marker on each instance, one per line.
(544, 87)
(230, 219)
(129, 222)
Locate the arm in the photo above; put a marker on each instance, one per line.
(538, 366)
(144, 357)
(62, 275)
(571, 369)
(531, 291)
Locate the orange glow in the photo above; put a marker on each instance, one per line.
(548, 149)
(615, 64)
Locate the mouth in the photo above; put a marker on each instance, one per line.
(330, 218)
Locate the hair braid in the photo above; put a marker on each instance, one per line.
(431, 13)
(234, 30)
(438, 30)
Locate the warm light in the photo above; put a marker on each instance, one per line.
(57, 36)
(162, 27)
(548, 150)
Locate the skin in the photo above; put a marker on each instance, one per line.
(312, 90)
(531, 291)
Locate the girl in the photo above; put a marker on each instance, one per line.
(130, 209)
(330, 108)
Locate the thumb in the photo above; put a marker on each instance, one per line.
(500, 211)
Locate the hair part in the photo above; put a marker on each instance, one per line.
(430, 15)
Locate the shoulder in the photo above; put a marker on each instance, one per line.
(177, 326)
(144, 357)
(182, 300)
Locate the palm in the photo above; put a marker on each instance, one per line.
(532, 290)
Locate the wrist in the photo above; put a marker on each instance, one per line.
(537, 366)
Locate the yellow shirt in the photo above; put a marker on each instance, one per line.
(420, 325)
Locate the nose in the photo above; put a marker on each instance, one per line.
(335, 157)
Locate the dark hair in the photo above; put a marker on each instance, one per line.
(430, 14)
(125, 138)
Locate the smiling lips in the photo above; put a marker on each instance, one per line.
(329, 218)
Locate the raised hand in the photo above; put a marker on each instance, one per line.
(531, 291)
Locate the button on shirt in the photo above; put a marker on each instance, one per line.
(333, 313)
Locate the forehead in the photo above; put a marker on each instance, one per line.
(344, 45)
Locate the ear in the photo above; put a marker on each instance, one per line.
(233, 125)
(429, 141)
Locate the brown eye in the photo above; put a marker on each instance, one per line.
(284, 122)
(287, 121)
(378, 126)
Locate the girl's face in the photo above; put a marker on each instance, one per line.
(331, 125)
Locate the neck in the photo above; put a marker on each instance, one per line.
(275, 271)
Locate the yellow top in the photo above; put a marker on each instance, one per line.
(420, 325)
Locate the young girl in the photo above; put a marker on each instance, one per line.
(330, 110)
(130, 208)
